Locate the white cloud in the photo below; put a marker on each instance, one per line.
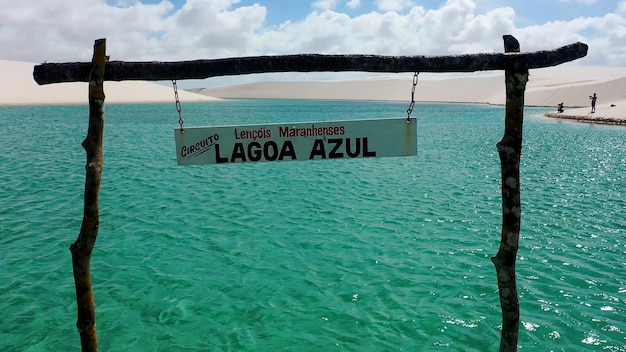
(589, 2)
(452, 29)
(394, 5)
(353, 4)
(213, 28)
(325, 4)
(621, 8)
(64, 30)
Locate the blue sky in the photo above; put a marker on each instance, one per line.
(172, 30)
(529, 11)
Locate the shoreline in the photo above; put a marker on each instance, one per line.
(546, 88)
(615, 121)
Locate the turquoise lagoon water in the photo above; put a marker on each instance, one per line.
(389, 254)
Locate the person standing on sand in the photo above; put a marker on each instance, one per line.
(593, 102)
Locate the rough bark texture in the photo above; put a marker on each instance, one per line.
(509, 149)
(199, 69)
(82, 248)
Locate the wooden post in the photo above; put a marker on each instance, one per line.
(509, 149)
(82, 248)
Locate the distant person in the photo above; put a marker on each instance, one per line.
(559, 107)
(593, 102)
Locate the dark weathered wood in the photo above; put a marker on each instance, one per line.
(82, 248)
(510, 149)
(199, 69)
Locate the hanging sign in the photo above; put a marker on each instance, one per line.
(297, 141)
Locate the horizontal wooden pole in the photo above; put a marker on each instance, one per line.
(48, 73)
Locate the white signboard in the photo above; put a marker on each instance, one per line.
(297, 141)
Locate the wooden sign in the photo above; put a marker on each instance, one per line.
(297, 141)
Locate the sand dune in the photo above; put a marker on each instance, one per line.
(546, 87)
(21, 89)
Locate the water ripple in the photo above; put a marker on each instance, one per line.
(348, 255)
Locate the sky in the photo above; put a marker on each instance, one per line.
(175, 30)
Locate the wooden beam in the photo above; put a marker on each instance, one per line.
(48, 73)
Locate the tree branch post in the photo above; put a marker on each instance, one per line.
(509, 150)
(82, 248)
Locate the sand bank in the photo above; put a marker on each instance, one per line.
(604, 114)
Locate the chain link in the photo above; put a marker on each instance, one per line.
(410, 109)
(178, 107)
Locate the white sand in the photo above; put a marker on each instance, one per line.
(21, 89)
(546, 87)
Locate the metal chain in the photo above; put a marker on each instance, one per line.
(178, 107)
(410, 109)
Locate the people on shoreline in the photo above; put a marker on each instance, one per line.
(593, 98)
(559, 107)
